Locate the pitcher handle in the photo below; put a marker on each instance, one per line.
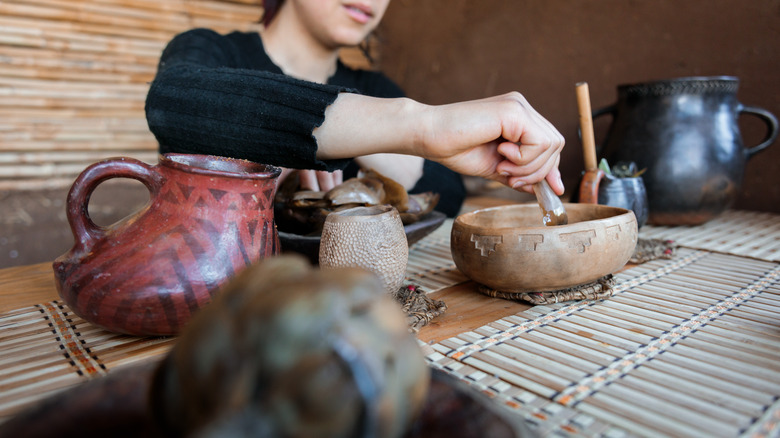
(606, 110)
(611, 109)
(771, 124)
(85, 232)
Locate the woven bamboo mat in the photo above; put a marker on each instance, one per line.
(46, 348)
(430, 261)
(747, 233)
(686, 347)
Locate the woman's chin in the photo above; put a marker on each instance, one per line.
(350, 37)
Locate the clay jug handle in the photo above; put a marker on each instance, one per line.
(589, 186)
(606, 110)
(771, 123)
(611, 109)
(85, 232)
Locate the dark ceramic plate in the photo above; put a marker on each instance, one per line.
(309, 246)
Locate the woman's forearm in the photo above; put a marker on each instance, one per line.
(502, 138)
(403, 169)
(357, 125)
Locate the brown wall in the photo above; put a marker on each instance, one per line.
(441, 51)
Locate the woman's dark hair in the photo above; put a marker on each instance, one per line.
(270, 8)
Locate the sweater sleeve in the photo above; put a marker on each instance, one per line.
(204, 100)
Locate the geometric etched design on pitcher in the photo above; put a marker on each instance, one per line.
(186, 190)
(217, 194)
(579, 240)
(189, 196)
(486, 244)
(264, 198)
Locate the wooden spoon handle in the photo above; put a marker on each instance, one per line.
(586, 126)
(553, 211)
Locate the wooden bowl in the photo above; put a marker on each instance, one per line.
(508, 249)
(309, 246)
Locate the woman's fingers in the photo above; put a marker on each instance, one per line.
(531, 171)
(319, 180)
(329, 180)
(554, 178)
(524, 176)
(308, 180)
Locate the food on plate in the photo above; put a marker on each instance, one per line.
(304, 211)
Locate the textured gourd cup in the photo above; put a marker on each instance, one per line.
(508, 249)
(371, 238)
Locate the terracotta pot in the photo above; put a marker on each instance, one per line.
(685, 132)
(372, 238)
(207, 218)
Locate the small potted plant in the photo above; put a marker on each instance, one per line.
(622, 186)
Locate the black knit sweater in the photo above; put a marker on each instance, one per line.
(222, 95)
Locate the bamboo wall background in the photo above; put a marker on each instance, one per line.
(74, 76)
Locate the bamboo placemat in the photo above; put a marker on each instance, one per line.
(747, 233)
(430, 261)
(47, 348)
(686, 347)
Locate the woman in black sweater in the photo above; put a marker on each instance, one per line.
(283, 97)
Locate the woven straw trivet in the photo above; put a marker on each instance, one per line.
(597, 290)
(651, 249)
(420, 309)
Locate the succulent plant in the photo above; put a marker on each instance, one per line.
(621, 169)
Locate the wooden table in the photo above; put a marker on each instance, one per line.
(27, 286)
(685, 347)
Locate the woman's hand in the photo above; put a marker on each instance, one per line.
(502, 138)
(315, 180)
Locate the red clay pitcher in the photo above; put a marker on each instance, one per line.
(207, 218)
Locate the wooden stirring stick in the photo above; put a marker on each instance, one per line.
(586, 126)
(553, 212)
(589, 187)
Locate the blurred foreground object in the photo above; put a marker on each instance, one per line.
(286, 351)
(289, 350)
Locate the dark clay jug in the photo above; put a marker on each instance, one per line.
(685, 133)
(207, 218)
